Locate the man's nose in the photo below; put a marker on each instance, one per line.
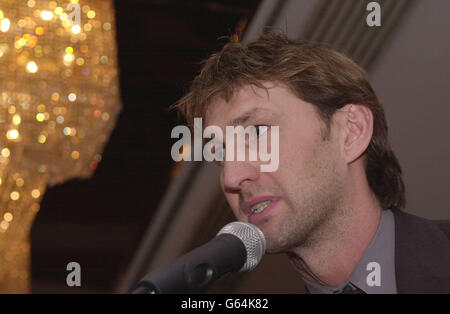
(237, 174)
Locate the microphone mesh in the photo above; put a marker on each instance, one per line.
(253, 239)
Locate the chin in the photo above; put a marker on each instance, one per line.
(273, 247)
(274, 240)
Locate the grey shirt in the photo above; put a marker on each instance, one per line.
(375, 271)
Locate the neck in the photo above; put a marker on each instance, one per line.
(332, 252)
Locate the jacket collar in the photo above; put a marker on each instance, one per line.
(422, 255)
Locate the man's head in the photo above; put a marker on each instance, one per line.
(332, 133)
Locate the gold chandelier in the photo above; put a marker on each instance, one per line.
(59, 100)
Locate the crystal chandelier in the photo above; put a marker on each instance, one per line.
(59, 100)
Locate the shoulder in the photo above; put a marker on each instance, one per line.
(422, 254)
(407, 222)
(421, 232)
(444, 225)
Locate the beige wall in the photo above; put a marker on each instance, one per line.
(412, 77)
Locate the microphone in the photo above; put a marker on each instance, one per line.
(238, 246)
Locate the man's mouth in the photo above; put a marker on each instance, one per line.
(259, 207)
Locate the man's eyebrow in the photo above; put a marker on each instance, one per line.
(247, 115)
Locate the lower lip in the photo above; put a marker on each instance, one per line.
(254, 218)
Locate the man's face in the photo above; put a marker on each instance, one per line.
(305, 190)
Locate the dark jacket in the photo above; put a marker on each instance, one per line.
(422, 254)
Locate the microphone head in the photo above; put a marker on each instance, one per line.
(253, 239)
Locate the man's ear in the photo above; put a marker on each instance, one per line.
(357, 123)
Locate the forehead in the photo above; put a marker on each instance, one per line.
(247, 101)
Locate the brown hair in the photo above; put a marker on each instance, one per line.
(318, 75)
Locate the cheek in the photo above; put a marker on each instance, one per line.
(233, 201)
(298, 162)
(293, 152)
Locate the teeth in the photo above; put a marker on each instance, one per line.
(260, 207)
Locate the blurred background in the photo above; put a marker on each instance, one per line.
(140, 210)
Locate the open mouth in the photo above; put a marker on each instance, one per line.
(259, 207)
